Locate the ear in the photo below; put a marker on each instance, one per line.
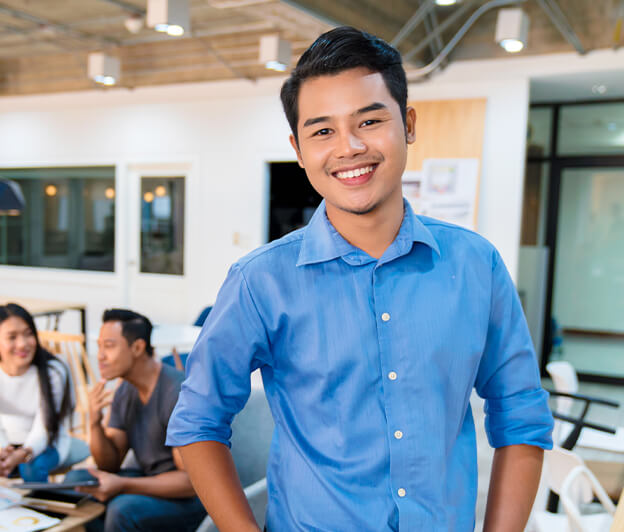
(410, 125)
(138, 347)
(293, 143)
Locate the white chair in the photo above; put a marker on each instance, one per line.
(565, 380)
(252, 431)
(569, 478)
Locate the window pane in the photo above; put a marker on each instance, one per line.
(68, 220)
(588, 296)
(591, 129)
(539, 133)
(162, 225)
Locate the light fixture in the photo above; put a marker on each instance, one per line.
(103, 69)
(50, 190)
(109, 193)
(11, 198)
(134, 23)
(172, 17)
(160, 191)
(512, 29)
(446, 2)
(275, 53)
(148, 197)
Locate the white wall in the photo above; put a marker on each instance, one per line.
(225, 133)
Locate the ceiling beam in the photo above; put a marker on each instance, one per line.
(552, 9)
(126, 6)
(414, 20)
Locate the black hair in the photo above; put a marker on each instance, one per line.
(41, 360)
(134, 326)
(342, 49)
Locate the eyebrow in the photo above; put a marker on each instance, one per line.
(375, 106)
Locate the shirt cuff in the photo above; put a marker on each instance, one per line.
(522, 419)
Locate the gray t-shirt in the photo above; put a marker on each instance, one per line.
(146, 425)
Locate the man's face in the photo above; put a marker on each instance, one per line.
(115, 356)
(352, 140)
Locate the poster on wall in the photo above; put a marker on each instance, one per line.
(446, 189)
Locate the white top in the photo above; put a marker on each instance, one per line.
(21, 415)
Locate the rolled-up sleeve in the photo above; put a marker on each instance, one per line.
(231, 345)
(516, 405)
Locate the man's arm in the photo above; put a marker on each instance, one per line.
(171, 484)
(514, 480)
(214, 477)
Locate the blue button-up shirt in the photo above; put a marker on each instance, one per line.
(368, 366)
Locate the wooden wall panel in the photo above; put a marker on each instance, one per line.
(447, 129)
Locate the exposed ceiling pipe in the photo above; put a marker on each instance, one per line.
(439, 30)
(427, 69)
(414, 20)
(552, 9)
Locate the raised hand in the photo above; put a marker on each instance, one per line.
(99, 398)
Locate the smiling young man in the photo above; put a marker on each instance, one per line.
(371, 327)
(158, 495)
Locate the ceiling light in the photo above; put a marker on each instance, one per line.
(103, 69)
(446, 2)
(512, 29)
(275, 53)
(50, 190)
(134, 23)
(169, 16)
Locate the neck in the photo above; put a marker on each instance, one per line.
(372, 232)
(144, 375)
(13, 371)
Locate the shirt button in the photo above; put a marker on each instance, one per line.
(401, 492)
(385, 316)
(398, 434)
(392, 376)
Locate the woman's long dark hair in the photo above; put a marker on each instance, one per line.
(41, 361)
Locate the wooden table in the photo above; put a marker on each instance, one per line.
(75, 517)
(49, 308)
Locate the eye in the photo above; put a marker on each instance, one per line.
(322, 132)
(370, 122)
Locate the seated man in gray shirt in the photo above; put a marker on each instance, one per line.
(158, 495)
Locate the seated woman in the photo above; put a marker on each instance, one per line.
(35, 400)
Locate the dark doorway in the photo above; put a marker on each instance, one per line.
(293, 200)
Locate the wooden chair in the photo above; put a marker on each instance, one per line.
(70, 347)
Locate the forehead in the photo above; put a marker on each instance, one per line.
(342, 94)
(111, 330)
(14, 324)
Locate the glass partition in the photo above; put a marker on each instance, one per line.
(591, 129)
(68, 220)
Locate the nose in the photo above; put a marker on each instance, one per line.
(349, 145)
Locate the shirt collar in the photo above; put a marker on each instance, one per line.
(322, 243)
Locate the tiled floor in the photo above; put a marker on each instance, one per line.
(598, 414)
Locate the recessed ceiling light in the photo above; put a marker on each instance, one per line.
(446, 2)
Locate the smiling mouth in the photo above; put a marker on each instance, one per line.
(362, 171)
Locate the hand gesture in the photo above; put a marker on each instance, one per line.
(99, 398)
(10, 458)
(110, 485)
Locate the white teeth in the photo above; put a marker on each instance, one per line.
(354, 173)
